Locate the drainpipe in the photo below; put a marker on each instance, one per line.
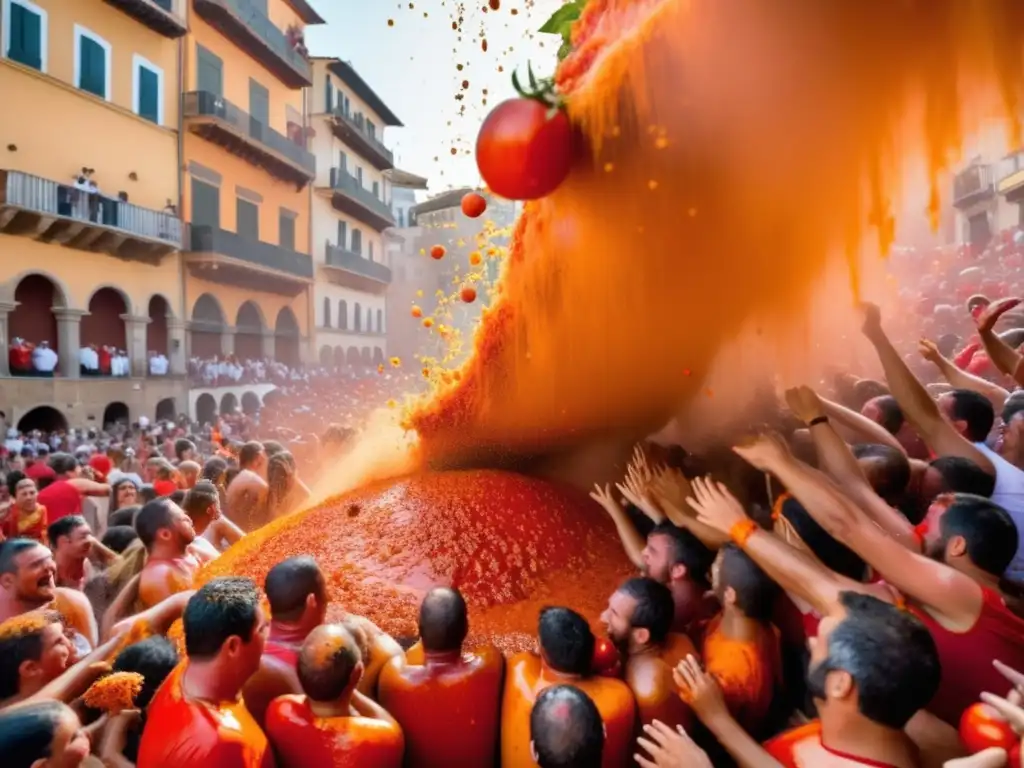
(185, 233)
(307, 121)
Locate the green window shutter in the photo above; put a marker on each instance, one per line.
(286, 228)
(92, 69)
(149, 95)
(26, 46)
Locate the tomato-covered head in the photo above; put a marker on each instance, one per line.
(961, 529)
(639, 614)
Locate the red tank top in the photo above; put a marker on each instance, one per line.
(284, 652)
(60, 499)
(966, 657)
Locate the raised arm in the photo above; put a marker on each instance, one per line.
(953, 598)
(631, 539)
(75, 680)
(961, 379)
(914, 400)
(855, 427)
(89, 487)
(1003, 356)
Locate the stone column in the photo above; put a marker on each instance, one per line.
(227, 340)
(135, 336)
(269, 343)
(5, 309)
(69, 340)
(177, 347)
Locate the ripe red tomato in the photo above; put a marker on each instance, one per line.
(437, 252)
(468, 294)
(982, 727)
(473, 205)
(416, 311)
(523, 152)
(606, 655)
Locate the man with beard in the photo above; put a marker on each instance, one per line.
(27, 574)
(166, 532)
(872, 667)
(72, 543)
(638, 619)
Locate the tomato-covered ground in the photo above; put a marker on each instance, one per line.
(512, 544)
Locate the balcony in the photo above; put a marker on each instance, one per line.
(229, 258)
(75, 217)
(162, 16)
(349, 196)
(251, 30)
(972, 185)
(347, 267)
(219, 121)
(353, 132)
(1011, 181)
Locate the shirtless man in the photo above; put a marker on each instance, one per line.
(171, 563)
(202, 505)
(565, 729)
(566, 652)
(297, 593)
(247, 493)
(332, 725)
(638, 620)
(449, 701)
(27, 583)
(73, 544)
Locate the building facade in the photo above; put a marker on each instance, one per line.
(351, 211)
(90, 229)
(411, 271)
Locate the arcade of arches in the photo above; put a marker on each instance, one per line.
(354, 357)
(47, 418)
(250, 337)
(40, 312)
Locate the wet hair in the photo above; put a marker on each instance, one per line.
(152, 518)
(686, 549)
(655, 608)
(154, 658)
(566, 729)
(273, 447)
(62, 463)
(868, 389)
(26, 733)
(200, 498)
(1014, 404)
(829, 550)
(247, 453)
(289, 583)
(987, 528)
(17, 647)
(214, 469)
(181, 445)
(890, 655)
(178, 497)
(124, 516)
(566, 640)
(889, 412)
(12, 480)
(444, 623)
(975, 410)
(10, 550)
(755, 591)
(65, 526)
(223, 608)
(147, 493)
(893, 469)
(118, 537)
(961, 475)
(326, 679)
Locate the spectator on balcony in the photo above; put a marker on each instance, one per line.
(89, 360)
(120, 363)
(44, 360)
(158, 364)
(19, 356)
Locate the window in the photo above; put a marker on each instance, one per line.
(343, 234)
(359, 176)
(369, 319)
(286, 230)
(327, 313)
(371, 251)
(92, 63)
(24, 28)
(376, 189)
(357, 241)
(147, 90)
(343, 315)
(328, 95)
(371, 129)
(380, 321)
(401, 217)
(342, 161)
(248, 219)
(209, 72)
(259, 103)
(359, 317)
(205, 204)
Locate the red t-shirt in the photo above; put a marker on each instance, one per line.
(61, 499)
(180, 733)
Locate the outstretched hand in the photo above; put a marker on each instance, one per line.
(669, 748)
(699, 690)
(929, 351)
(990, 315)
(764, 452)
(715, 506)
(804, 403)
(871, 324)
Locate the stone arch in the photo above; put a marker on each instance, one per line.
(352, 357)
(33, 319)
(286, 337)
(228, 403)
(327, 312)
(158, 332)
(378, 356)
(206, 408)
(249, 328)
(116, 413)
(208, 323)
(251, 403)
(167, 409)
(45, 418)
(343, 315)
(366, 356)
(339, 357)
(104, 326)
(326, 355)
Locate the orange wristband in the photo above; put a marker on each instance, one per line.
(742, 531)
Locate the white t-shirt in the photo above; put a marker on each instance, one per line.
(1009, 494)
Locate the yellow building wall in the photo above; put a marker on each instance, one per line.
(231, 298)
(283, 15)
(239, 68)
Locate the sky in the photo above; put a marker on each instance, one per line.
(412, 64)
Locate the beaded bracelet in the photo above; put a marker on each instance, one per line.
(742, 531)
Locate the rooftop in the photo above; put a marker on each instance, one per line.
(345, 72)
(450, 199)
(306, 12)
(400, 178)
